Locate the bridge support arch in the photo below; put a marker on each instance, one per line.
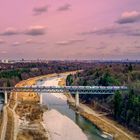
(5, 97)
(77, 99)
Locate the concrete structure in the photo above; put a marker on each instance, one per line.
(110, 90)
(5, 97)
(77, 99)
(5, 61)
(41, 98)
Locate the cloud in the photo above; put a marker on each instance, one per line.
(135, 32)
(137, 47)
(3, 52)
(40, 10)
(116, 50)
(64, 7)
(106, 30)
(114, 30)
(16, 44)
(31, 41)
(35, 30)
(129, 17)
(2, 41)
(70, 42)
(10, 31)
(102, 46)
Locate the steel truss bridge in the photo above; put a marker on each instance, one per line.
(101, 90)
(64, 89)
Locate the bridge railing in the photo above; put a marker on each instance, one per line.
(62, 89)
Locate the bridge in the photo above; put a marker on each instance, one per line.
(110, 90)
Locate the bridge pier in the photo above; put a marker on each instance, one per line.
(5, 97)
(77, 99)
(41, 98)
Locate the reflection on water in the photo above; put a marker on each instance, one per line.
(52, 102)
(89, 128)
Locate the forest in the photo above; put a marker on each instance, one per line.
(123, 107)
(10, 74)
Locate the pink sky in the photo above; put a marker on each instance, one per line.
(70, 29)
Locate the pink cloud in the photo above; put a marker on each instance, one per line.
(36, 30)
(129, 17)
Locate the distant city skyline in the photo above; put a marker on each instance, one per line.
(70, 29)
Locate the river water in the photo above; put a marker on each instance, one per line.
(52, 102)
(1, 101)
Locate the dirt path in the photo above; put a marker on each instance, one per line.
(15, 123)
(83, 107)
(4, 123)
(88, 113)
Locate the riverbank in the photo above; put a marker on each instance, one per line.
(107, 126)
(26, 106)
(110, 127)
(26, 113)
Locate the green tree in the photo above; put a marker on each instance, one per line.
(69, 79)
(8, 83)
(117, 104)
(130, 68)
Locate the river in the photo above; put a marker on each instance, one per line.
(1, 101)
(53, 102)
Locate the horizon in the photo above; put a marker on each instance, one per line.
(69, 59)
(70, 29)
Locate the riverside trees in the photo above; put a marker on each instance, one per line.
(124, 106)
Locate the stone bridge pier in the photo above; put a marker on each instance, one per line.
(77, 99)
(41, 98)
(5, 97)
(77, 102)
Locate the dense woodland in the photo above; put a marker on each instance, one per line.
(124, 107)
(10, 74)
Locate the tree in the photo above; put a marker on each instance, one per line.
(8, 83)
(117, 104)
(130, 68)
(69, 79)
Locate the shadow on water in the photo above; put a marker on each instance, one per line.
(1, 100)
(91, 130)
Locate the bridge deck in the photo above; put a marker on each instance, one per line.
(64, 89)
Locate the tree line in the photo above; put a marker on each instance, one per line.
(124, 106)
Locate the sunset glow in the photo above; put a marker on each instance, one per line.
(70, 29)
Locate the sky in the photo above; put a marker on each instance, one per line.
(69, 29)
